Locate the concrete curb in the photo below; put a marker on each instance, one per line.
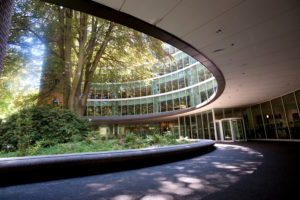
(30, 169)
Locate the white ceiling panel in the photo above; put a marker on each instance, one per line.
(242, 17)
(258, 43)
(150, 11)
(192, 14)
(115, 4)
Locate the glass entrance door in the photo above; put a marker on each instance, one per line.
(238, 130)
(231, 129)
(226, 130)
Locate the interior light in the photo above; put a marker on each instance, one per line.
(268, 116)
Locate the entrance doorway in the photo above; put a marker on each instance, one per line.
(230, 129)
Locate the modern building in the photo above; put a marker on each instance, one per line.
(250, 49)
(180, 86)
(254, 93)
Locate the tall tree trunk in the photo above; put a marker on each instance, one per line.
(6, 7)
(90, 70)
(76, 84)
(67, 54)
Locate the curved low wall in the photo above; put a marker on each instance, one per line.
(41, 168)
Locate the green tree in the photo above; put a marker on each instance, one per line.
(78, 48)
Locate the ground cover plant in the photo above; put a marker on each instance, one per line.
(95, 143)
(46, 131)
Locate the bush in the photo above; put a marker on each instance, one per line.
(48, 126)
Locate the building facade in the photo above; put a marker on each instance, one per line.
(180, 89)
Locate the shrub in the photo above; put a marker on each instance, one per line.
(47, 125)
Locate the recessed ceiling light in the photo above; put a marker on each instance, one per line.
(219, 30)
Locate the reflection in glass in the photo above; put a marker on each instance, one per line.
(247, 115)
(292, 115)
(182, 127)
(194, 127)
(188, 126)
(205, 126)
(226, 130)
(258, 122)
(211, 125)
(200, 127)
(268, 120)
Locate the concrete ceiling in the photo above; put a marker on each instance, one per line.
(257, 47)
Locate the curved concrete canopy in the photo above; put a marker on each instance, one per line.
(254, 43)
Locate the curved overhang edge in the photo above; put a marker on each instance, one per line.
(102, 11)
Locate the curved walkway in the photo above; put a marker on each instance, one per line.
(232, 171)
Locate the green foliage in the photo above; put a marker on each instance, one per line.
(93, 142)
(41, 126)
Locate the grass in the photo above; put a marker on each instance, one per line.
(92, 144)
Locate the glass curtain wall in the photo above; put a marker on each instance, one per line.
(278, 118)
(163, 93)
(197, 126)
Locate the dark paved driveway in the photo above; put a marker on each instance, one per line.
(232, 171)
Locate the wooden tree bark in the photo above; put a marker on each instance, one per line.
(67, 55)
(6, 7)
(90, 70)
(80, 63)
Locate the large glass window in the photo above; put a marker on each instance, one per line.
(203, 93)
(98, 109)
(201, 75)
(179, 64)
(163, 104)
(207, 74)
(258, 122)
(143, 91)
(131, 108)
(162, 87)
(205, 126)
(174, 82)
(210, 88)
(137, 107)
(150, 107)
(144, 109)
(196, 94)
(90, 110)
(268, 120)
(211, 125)
(247, 115)
(106, 110)
(280, 119)
(169, 86)
(181, 83)
(200, 127)
(186, 61)
(183, 102)
(226, 130)
(182, 127)
(188, 126)
(194, 127)
(169, 103)
(124, 108)
(292, 115)
(149, 89)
